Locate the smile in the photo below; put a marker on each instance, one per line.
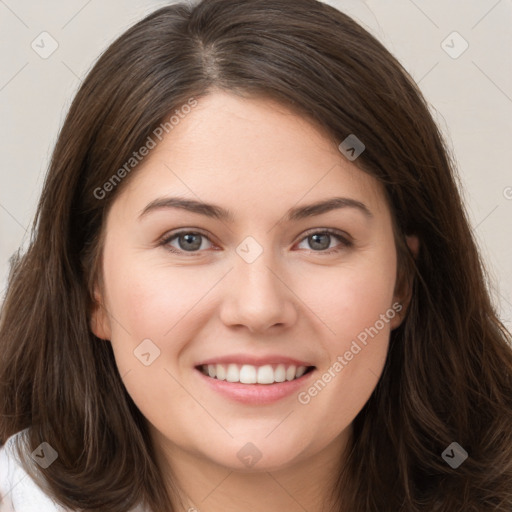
(251, 374)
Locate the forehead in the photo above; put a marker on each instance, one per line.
(249, 152)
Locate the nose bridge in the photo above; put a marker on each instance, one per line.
(256, 296)
(259, 276)
(255, 258)
(255, 273)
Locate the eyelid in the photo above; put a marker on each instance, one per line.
(171, 235)
(331, 231)
(345, 239)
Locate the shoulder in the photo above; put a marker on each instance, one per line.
(17, 489)
(18, 492)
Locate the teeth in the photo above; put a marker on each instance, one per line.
(280, 373)
(249, 374)
(301, 370)
(290, 373)
(233, 375)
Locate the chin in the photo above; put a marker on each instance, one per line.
(258, 455)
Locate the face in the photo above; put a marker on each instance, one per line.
(295, 301)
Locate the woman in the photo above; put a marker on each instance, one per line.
(252, 284)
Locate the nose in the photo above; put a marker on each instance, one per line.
(257, 297)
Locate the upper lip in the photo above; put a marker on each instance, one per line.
(242, 359)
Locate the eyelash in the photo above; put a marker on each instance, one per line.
(345, 243)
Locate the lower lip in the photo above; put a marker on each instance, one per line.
(256, 394)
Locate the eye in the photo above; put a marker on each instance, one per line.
(187, 241)
(192, 242)
(319, 241)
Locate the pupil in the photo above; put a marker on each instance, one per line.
(190, 243)
(315, 243)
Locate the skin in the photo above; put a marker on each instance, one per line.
(257, 159)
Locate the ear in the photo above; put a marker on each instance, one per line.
(100, 321)
(403, 289)
(413, 243)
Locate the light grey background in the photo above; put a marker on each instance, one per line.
(470, 98)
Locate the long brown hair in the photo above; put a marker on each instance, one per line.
(448, 374)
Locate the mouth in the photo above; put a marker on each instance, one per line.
(266, 374)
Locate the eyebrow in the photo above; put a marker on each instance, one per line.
(217, 212)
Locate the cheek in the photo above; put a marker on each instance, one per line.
(356, 304)
(350, 298)
(361, 302)
(151, 300)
